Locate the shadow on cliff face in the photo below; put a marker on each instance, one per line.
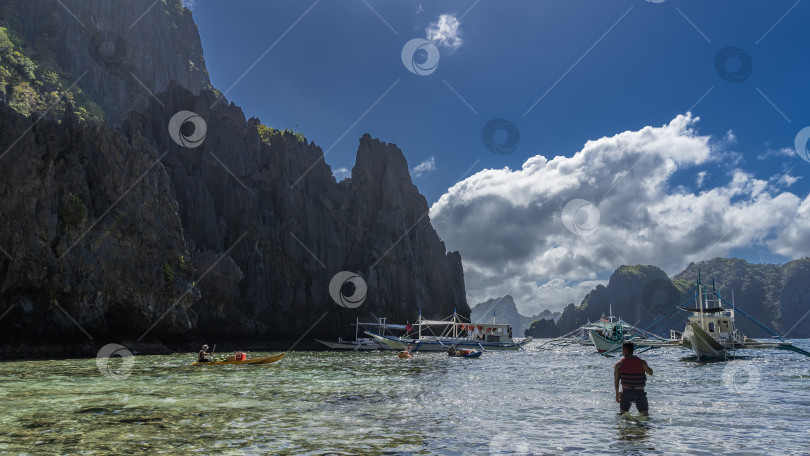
(124, 233)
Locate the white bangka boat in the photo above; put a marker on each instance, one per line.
(608, 334)
(464, 335)
(364, 343)
(711, 333)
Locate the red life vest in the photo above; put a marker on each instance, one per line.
(631, 372)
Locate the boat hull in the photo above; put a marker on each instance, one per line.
(603, 345)
(254, 361)
(474, 354)
(365, 345)
(441, 345)
(702, 344)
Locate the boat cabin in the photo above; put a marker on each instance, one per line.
(457, 329)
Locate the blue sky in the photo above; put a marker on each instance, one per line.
(597, 68)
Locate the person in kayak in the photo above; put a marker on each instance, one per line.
(631, 371)
(204, 355)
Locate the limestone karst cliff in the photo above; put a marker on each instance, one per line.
(117, 231)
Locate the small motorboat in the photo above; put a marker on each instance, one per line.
(241, 358)
(463, 353)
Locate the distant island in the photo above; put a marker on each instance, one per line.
(776, 295)
(504, 310)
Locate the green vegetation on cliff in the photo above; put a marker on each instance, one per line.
(33, 83)
(266, 133)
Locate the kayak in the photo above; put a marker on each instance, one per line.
(466, 354)
(232, 360)
(404, 354)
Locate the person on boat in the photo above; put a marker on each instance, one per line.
(204, 355)
(631, 371)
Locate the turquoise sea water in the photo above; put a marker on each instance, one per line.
(530, 403)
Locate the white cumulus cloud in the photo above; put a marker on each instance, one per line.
(341, 173)
(425, 167)
(508, 224)
(446, 32)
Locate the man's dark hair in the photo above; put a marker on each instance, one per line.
(629, 346)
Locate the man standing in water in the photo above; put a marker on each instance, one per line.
(632, 372)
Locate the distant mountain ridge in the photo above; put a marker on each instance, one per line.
(776, 295)
(505, 310)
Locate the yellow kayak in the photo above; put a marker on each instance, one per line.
(232, 360)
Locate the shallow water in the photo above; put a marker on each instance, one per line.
(533, 402)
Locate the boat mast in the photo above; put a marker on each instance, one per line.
(419, 323)
(700, 304)
(356, 327)
(455, 326)
(732, 304)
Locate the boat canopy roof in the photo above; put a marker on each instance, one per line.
(387, 325)
(450, 322)
(704, 310)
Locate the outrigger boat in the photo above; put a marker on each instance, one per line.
(464, 335)
(711, 333)
(242, 360)
(608, 334)
(364, 343)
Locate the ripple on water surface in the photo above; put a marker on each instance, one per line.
(533, 402)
